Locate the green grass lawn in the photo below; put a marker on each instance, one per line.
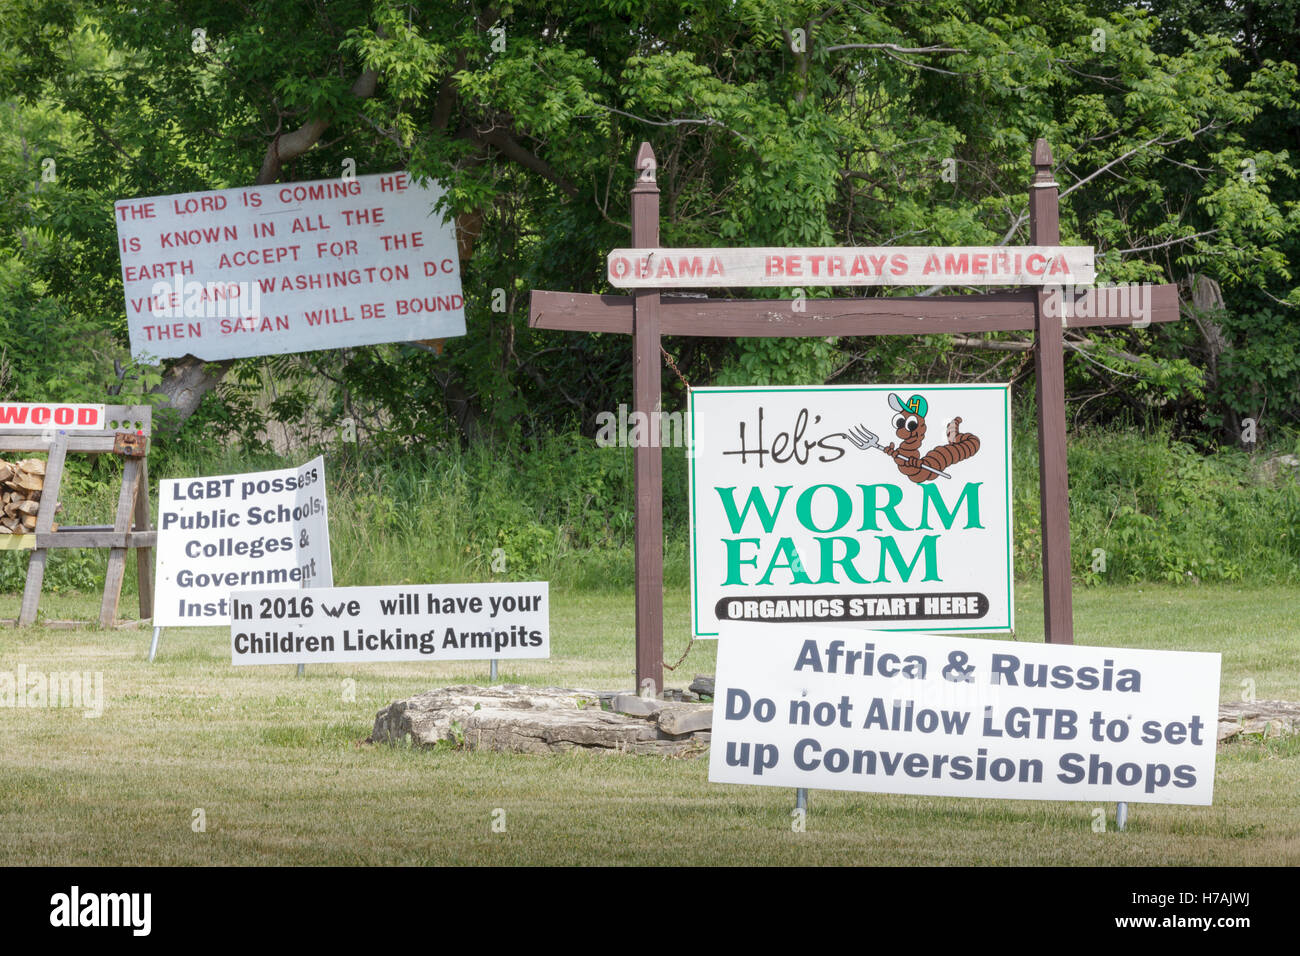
(276, 763)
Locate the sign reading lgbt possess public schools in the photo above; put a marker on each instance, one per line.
(290, 267)
(409, 622)
(217, 534)
(840, 708)
(887, 505)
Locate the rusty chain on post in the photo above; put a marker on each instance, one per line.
(673, 365)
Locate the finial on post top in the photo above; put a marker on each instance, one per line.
(1043, 177)
(1042, 153)
(645, 165)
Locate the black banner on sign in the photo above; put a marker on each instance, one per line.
(856, 608)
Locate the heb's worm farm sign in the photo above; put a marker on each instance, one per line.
(883, 505)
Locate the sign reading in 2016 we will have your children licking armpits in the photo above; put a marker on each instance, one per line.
(885, 505)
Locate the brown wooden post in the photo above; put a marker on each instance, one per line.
(646, 456)
(44, 521)
(1049, 363)
(126, 510)
(144, 556)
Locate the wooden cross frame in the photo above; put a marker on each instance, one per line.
(126, 433)
(647, 315)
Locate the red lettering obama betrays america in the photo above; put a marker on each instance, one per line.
(903, 266)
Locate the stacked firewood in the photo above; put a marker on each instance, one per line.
(21, 484)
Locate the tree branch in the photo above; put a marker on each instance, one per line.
(1132, 152)
(189, 379)
(500, 138)
(446, 99)
(289, 146)
(1170, 242)
(706, 121)
(894, 47)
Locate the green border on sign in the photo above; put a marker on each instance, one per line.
(1008, 628)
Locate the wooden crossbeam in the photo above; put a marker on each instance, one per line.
(876, 315)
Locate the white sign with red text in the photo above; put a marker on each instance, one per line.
(23, 415)
(851, 266)
(290, 267)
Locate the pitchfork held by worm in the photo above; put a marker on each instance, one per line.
(909, 426)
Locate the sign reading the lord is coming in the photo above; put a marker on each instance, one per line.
(886, 505)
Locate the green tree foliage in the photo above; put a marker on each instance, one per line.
(774, 122)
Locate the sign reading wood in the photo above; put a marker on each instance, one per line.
(851, 266)
(219, 533)
(850, 709)
(413, 622)
(289, 267)
(888, 505)
(16, 416)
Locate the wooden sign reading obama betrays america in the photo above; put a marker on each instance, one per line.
(883, 505)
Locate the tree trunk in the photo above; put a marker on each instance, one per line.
(187, 381)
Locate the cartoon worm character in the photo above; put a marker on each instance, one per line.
(909, 425)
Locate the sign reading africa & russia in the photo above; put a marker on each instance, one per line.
(840, 708)
(288, 267)
(884, 505)
(851, 266)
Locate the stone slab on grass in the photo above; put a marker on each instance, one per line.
(1273, 718)
(520, 719)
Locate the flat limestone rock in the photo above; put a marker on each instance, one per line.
(635, 706)
(1273, 718)
(686, 718)
(519, 719)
